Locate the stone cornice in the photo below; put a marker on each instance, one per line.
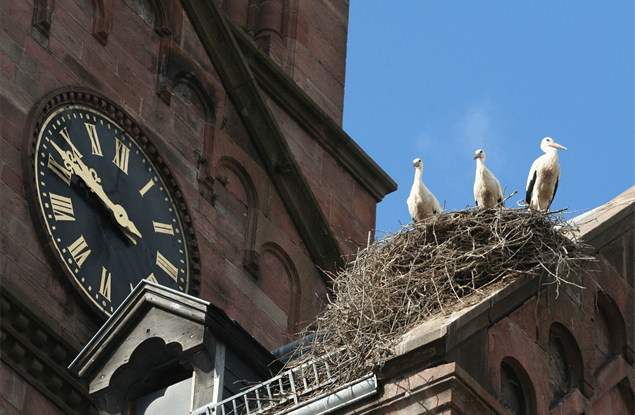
(445, 388)
(36, 347)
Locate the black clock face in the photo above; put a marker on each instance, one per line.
(111, 219)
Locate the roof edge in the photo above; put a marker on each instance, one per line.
(288, 95)
(602, 225)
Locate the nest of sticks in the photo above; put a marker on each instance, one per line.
(435, 267)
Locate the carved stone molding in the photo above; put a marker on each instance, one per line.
(294, 284)
(168, 18)
(102, 16)
(32, 344)
(42, 12)
(177, 67)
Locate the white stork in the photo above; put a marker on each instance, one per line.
(544, 176)
(487, 189)
(421, 203)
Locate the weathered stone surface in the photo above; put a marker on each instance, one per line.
(443, 389)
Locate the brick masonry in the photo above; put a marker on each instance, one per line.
(153, 66)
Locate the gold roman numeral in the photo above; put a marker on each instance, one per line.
(147, 187)
(104, 286)
(79, 250)
(60, 170)
(62, 207)
(121, 156)
(64, 133)
(163, 228)
(166, 266)
(94, 140)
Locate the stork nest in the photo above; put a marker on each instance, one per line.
(433, 268)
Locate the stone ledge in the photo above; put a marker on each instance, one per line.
(471, 319)
(446, 388)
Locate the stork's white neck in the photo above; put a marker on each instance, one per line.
(418, 174)
(551, 152)
(480, 166)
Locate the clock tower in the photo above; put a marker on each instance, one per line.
(193, 144)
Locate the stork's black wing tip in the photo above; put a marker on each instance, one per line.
(530, 189)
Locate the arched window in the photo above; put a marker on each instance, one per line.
(609, 328)
(517, 393)
(565, 363)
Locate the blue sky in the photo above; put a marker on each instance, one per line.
(440, 79)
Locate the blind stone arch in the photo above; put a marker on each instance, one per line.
(250, 256)
(293, 282)
(101, 12)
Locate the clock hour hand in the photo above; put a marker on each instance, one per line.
(73, 163)
(129, 229)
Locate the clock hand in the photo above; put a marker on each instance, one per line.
(64, 133)
(72, 162)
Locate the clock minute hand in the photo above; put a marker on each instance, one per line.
(92, 180)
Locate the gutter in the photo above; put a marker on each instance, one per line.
(339, 398)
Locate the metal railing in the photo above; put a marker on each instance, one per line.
(280, 390)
